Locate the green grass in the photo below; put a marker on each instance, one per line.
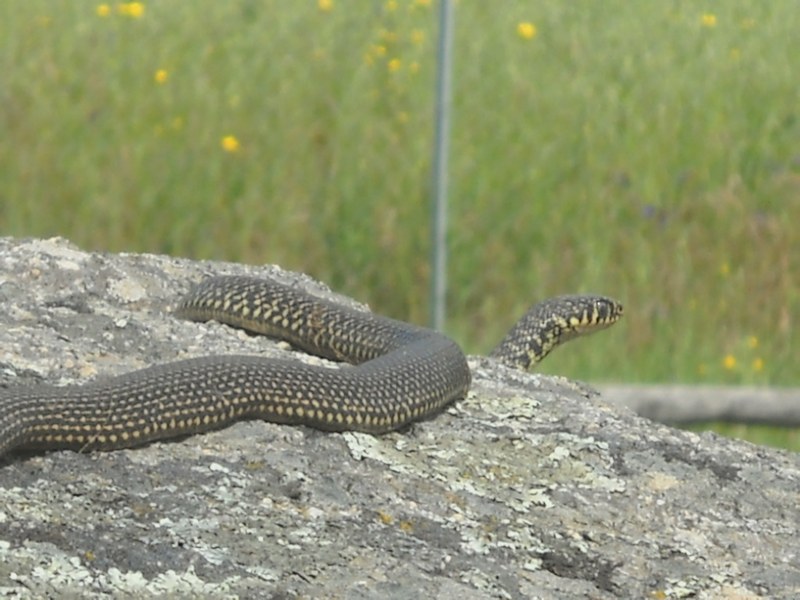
(781, 437)
(627, 148)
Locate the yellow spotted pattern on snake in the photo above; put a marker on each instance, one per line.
(401, 372)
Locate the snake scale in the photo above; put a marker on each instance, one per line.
(401, 373)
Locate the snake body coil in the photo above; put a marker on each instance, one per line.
(403, 372)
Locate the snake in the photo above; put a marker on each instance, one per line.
(398, 372)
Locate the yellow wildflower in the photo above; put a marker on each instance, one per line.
(394, 65)
(388, 36)
(725, 269)
(729, 362)
(423, 3)
(134, 10)
(413, 67)
(230, 143)
(161, 76)
(758, 364)
(752, 342)
(526, 30)
(417, 36)
(103, 10)
(391, 5)
(325, 5)
(708, 20)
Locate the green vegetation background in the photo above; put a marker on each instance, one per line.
(647, 150)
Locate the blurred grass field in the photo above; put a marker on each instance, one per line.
(644, 150)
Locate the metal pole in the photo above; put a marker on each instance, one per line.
(440, 156)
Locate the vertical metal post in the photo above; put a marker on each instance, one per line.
(440, 156)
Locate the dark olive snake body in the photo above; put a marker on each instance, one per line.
(401, 373)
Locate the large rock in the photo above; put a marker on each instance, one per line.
(532, 487)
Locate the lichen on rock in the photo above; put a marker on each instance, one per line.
(531, 487)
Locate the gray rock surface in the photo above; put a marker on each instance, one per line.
(532, 487)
